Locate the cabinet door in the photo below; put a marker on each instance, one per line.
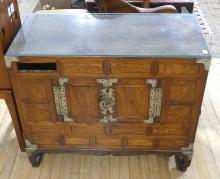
(35, 100)
(134, 100)
(82, 99)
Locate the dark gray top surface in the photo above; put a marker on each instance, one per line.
(129, 35)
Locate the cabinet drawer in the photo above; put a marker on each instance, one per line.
(151, 130)
(186, 69)
(81, 68)
(151, 67)
(142, 142)
(77, 141)
(130, 68)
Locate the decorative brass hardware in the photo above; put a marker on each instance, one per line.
(206, 62)
(29, 144)
(10, 60)
(30, 148)
(188, 151)
(156, 95)
(60, 100)
(107, 99)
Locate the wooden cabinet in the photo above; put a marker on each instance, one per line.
(9, 22)
(109, 105)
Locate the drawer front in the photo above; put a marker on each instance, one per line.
(119, 143)
(151, 67)
(105, 137)
(82, 68)
(131, 68)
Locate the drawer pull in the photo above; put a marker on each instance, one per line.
(156, 95)
(61, 101)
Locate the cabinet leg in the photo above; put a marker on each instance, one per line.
(182, 162)
(35, 158)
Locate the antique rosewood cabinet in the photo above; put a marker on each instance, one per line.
(109, 83)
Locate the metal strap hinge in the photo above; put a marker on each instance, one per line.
(61, 101)
(156, 95)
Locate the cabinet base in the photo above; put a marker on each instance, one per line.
(182, 161)
(35, 159)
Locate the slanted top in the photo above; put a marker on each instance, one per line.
(121, 35)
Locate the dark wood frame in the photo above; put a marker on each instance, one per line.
(6, 92)
(9, 99)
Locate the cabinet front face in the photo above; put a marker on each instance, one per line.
(112, 111)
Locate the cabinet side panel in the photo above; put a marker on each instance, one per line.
(4, 78)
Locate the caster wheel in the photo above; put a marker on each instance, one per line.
(182, 163)
(36, 159)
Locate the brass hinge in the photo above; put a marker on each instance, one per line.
(61, 101)
(156, 95)
(107, 99)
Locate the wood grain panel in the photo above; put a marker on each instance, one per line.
(178, 68)
(82, 68)
(130, 68)
(182, 90)
(178, 114)
(77, 141)
(83, 98)
(35, 90)
(132, 100)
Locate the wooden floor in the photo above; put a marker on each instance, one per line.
(205, 163)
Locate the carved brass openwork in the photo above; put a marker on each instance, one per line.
(60, 100)
(156, 95)
(107, 99)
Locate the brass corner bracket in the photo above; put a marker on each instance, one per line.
(10, 60)
(188, 151)
(30, 148)
(205, 61)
